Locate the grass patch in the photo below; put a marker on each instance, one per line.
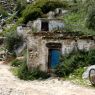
(16, 63)
(14, 70)
(76, 77)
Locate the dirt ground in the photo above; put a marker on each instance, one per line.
(10, 85)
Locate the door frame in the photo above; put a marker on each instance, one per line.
(52, 46)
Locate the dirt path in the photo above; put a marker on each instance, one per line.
(10, 85)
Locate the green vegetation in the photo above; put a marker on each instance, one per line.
(76, 77)
(16, 63)
(35, 73)
(13, 41)
(74, 22)
(75, 60)
(21, 71)
(80, 17)
(91, 19)
(3, 11)
(21, 4)
(33, 11)
(32, 15)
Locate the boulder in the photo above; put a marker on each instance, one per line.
(86, 73)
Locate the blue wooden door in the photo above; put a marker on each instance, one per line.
(54, 58)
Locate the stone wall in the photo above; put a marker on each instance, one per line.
(56, 24)
(53, 24)
(38, 51)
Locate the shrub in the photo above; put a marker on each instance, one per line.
(78, 72)
(76, 77)
(3, 11)
(13, 41)
(74, 61)
(91, 57)
(47, 5)
(23, 72)
(33, 11)
(32, 14)
(35, 73)
(91, 19)
(21, 4)
(16, 63)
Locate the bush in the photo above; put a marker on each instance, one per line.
(74, 61)
(91, 57)
(35, 73)
(16, 63)
(76, 77)
(13, 41)
(32, 14)
(33, 11)
(78, 72)
(91, 19)
(21, 4)
(47, 5)
(3, 11)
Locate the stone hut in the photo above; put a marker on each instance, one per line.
(46, 45)
(48, 25)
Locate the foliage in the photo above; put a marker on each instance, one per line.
(12, 19)
(78, 18)
(32, 14)
(27, 75)
(91, 57)
(47, 5)
(13, 41)
(91, 19)
(14, 70)
(74, 61)
(19, 22)
(3, 11)
(16, 63)
(21, 4)
(23, 73)
(76, 77)
(89, 6)
(41, 7)
(73, 22)
(78, 72)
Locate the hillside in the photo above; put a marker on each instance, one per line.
(76, 20)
